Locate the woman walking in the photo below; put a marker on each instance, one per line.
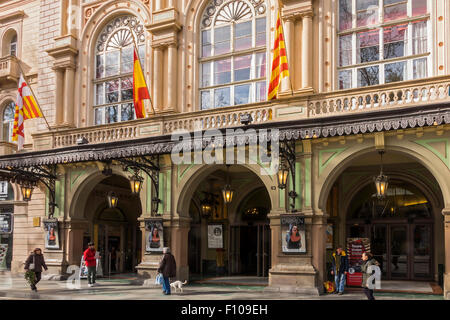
(34, 263)
(368, 261)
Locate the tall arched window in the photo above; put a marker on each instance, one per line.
(233, 53)
(113, 100)
(8, 121)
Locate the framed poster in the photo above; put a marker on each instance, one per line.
(154, 237)
(51, 234)
(293, 234)
(329, 236)
(6, 220)
(215, 236)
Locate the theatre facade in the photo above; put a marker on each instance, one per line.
(367, 105)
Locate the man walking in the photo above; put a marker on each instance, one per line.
(91, 263)
(339, 269)
(168, 268)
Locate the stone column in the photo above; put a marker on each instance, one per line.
(69, 78)
(59, 94)
(179, 245)
(172, 77)
(289, 41)
(446, 213)
(319, 223)
(307, 51)
(158, 5)
(157, 78)
(170, 3)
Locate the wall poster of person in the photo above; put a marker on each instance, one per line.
(293, 234)
(51, 234)
(154, 235)
(215, 236)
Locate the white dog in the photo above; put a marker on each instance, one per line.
(178, 285)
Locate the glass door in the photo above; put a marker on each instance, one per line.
(398, 239)
(421, 259)
(234, 254)
(379, 246)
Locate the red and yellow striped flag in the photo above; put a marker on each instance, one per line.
(140, 90)
(26, 108)
(279, 63)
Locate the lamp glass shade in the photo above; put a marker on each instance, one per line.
(381, 184)
(136, 184)
(27, 191)
(282, 177)
(206, 209)
(227, 194)
(112, 199)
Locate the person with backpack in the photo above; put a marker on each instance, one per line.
(90, 260)
(368, 261)
(168, 268)
(35, 262)
(339, 269)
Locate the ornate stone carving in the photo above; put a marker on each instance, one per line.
(231, 11)
(117, 34)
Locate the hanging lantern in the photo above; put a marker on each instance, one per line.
(27, 190)
(283, 173)
(206, 208)
(381, 184)
(381, 181)
(112, 199)
(227, 193)
(136, 184)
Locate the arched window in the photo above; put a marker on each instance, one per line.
(233, 53)
(383, 41)
(8, 121)
(13, 46)
(113, 99)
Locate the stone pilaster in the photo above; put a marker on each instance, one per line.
(446, 213)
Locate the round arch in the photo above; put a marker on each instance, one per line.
(408, 149)
(7, 36)
(93, 27)
(188, 185)
(84, 187)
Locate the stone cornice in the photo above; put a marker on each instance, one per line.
(367, 122)
(16, 15)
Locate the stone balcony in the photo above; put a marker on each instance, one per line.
(9, 70)
(334, 104)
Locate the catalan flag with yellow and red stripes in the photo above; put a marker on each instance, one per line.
(26, 108)
(140, 90)
(279, 63)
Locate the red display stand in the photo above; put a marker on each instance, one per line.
(355, 248)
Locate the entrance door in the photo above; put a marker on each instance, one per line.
(398, 244)
(263, 252)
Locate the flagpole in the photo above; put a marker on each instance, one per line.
(32, 92)
(280, 6)
(139, 58)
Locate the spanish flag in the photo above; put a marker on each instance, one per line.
(140, 90)
(26, 108)
(279, 62)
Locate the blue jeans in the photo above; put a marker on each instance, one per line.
(339, 279)
(166, 285)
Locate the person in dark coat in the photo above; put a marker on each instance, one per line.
(339, 269)
(368, 261)
(168, 268)
(37, 258)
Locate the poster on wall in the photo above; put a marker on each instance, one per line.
(329, 236)
(3, 252)
(355, 248)
(6, 223)
(293, 234)
(215, 236)
(51, 234)
(154, 235)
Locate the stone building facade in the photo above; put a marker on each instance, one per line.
(365, 76)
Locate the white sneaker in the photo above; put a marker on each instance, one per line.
(90, 285)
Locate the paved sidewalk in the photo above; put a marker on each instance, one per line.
(12, 288)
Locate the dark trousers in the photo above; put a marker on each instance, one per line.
(166, 285)
(92, 272)
(37, 278)
(369, 293)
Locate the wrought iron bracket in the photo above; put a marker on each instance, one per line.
(148, 165)
(34, 174)
(287, 153)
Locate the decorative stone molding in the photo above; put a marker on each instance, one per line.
(16, 15)
(64, 52)
(164, 27)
